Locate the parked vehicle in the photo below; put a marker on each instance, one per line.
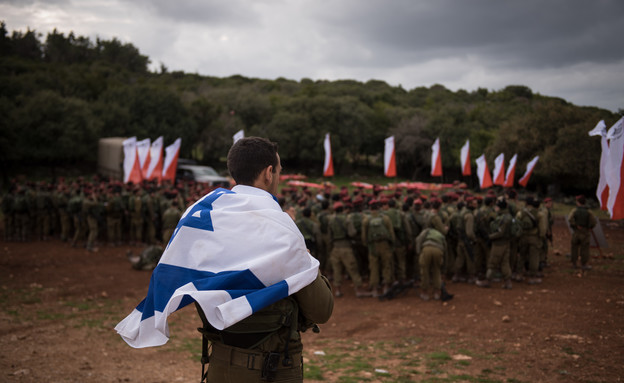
(199, 173)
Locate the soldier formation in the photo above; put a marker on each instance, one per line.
(388, 238)
(86, 213)
(380, 239)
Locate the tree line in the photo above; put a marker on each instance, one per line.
(62, 93)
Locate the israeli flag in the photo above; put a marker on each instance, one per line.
(234, 252)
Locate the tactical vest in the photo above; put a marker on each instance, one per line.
(500, 221)
(581, 217)
(323, 219)
(74, 206)
(377, 230)
(395, 218)
(21, 204)
(435, 236)
(338, 227)
(357, 219)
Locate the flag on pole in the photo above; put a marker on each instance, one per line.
(328, 166)
(465, 159)
(485, 179)
(206, 262)
(154, 170)
(602, 191)
(529, 170)
(615, 170)
(131, 167)
(172, 152)
(143, 150)
(390, 158)
(499, 170)
(238, 135)
(511, 172)
(436, 159)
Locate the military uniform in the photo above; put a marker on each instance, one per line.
(582, 221)
(360, 249)
(378, 233)
(8, 214)
(233, 362)
(402, 234)
(114, 217)
(135, 206)
(466, 239)
(311, 234)
(170, 219)
(341, 252)
(90, 210)
(147, 260)
(500, 236)
(431, 247)
(534, 230)
(74, 207)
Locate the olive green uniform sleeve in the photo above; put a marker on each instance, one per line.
(469, 225)
(390, 228)
(316, 301)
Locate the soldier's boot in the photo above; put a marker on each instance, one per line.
(455, 278)
(424, 296)
(362, 293)
(386, 289)
(337, 292)
(482, 283)
(586, 267)
(375, 292)
(507, 284)
(534, 281)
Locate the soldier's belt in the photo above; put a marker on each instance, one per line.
(250, 360)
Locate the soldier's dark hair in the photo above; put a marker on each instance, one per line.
(436, 204)
(249, 156)
(501, 203)
(324, 204)
(392, 203)
(460, 205)
(488, 201)
(307, 212)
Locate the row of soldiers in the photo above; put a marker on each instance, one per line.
(85, 212)
(406, 237)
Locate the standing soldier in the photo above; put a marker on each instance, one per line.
(582, 221)
(500, 236)
(431, 246)
(74, 207)
(465, 240)
(341, 252)
(354, 225)
(402, 232)
(61, 200)
(90, 210)
(170, 219)
(310, 230)
(483, 218)
(43, 205)
(150, 215)
(378, 233)
(114, 215)
(547, 212)
(135, 207)
(533, 230)
(323, 246)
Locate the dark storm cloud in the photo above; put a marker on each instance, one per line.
(515, 33)
(207, 12)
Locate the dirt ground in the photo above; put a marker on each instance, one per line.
(60, 304)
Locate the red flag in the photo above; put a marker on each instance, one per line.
(131, 167)
(172, 152)
(529, 170)
(436, 159)
(154, 170)
(615, 170)
(465, 159)
(485, 179)
(390, 158)
(511, 172)
(499, 170)
(328, 166)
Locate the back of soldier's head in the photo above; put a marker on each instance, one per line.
(249, 156)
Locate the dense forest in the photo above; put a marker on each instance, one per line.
(61, 93)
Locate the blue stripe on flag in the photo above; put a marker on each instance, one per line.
(168, 278)
(199, 215)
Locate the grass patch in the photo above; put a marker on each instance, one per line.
(311, 371)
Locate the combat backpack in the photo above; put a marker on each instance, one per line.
(516, 228)
(581, 217)
(338, 227)
(377, 230)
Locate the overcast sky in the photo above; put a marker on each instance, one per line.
(571, 49)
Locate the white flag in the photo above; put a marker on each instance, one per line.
(328, 165)
(614, 170)
(485, 179)
(238, 135)
(143, 150)
(172, 152)
(499, 170)
(529, 170)
(132, 169)
(389, 158)
(465, 159)
(154, 170)
(511, 172)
